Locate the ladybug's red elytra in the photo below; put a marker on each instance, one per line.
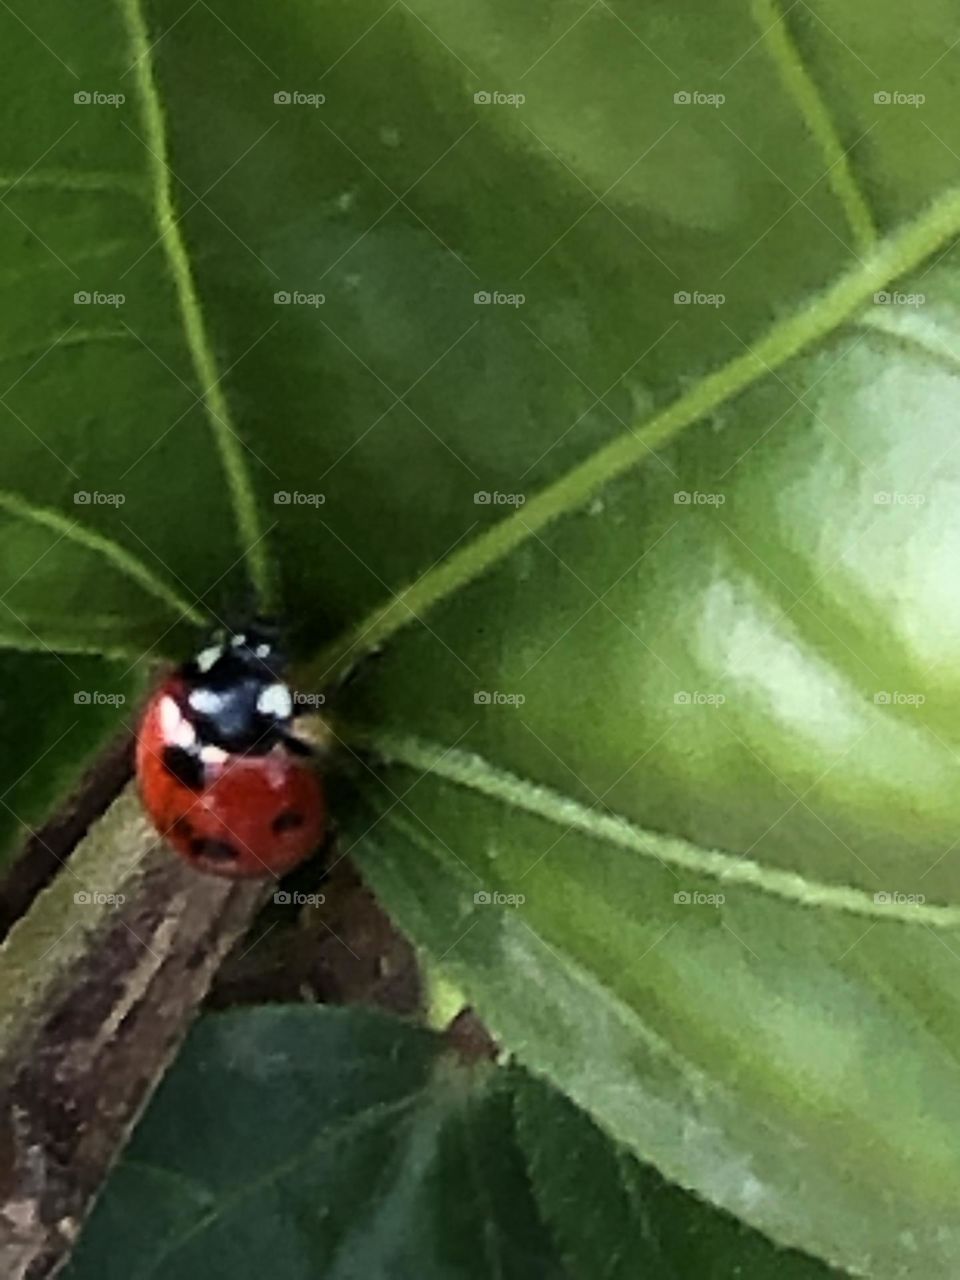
(221, 774)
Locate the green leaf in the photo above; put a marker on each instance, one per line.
(616, 1218)
(321, 1141)
(768, 1043)
(307, 1142)
(199, 399)
(126, 491)
(774, 1051)
(67, 573)
(56, 711)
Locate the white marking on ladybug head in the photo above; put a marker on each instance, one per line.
(213, 755)
(275, 700)
(239, 640)
(176, 728)
(207, 657)
(262, 650)
(205, 701)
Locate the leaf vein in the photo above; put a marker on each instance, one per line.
(802, 88)
(117, 555)
(226, 437)
(475, 773)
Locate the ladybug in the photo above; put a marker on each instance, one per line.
(220, 772)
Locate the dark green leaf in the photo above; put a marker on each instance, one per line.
(320, 1142)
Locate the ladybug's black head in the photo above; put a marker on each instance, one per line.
(236, 697)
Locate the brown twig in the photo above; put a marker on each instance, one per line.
(95, 996)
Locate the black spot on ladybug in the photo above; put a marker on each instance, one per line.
(181, 827)
(289, 820)
(184, 766)
(216, 850)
